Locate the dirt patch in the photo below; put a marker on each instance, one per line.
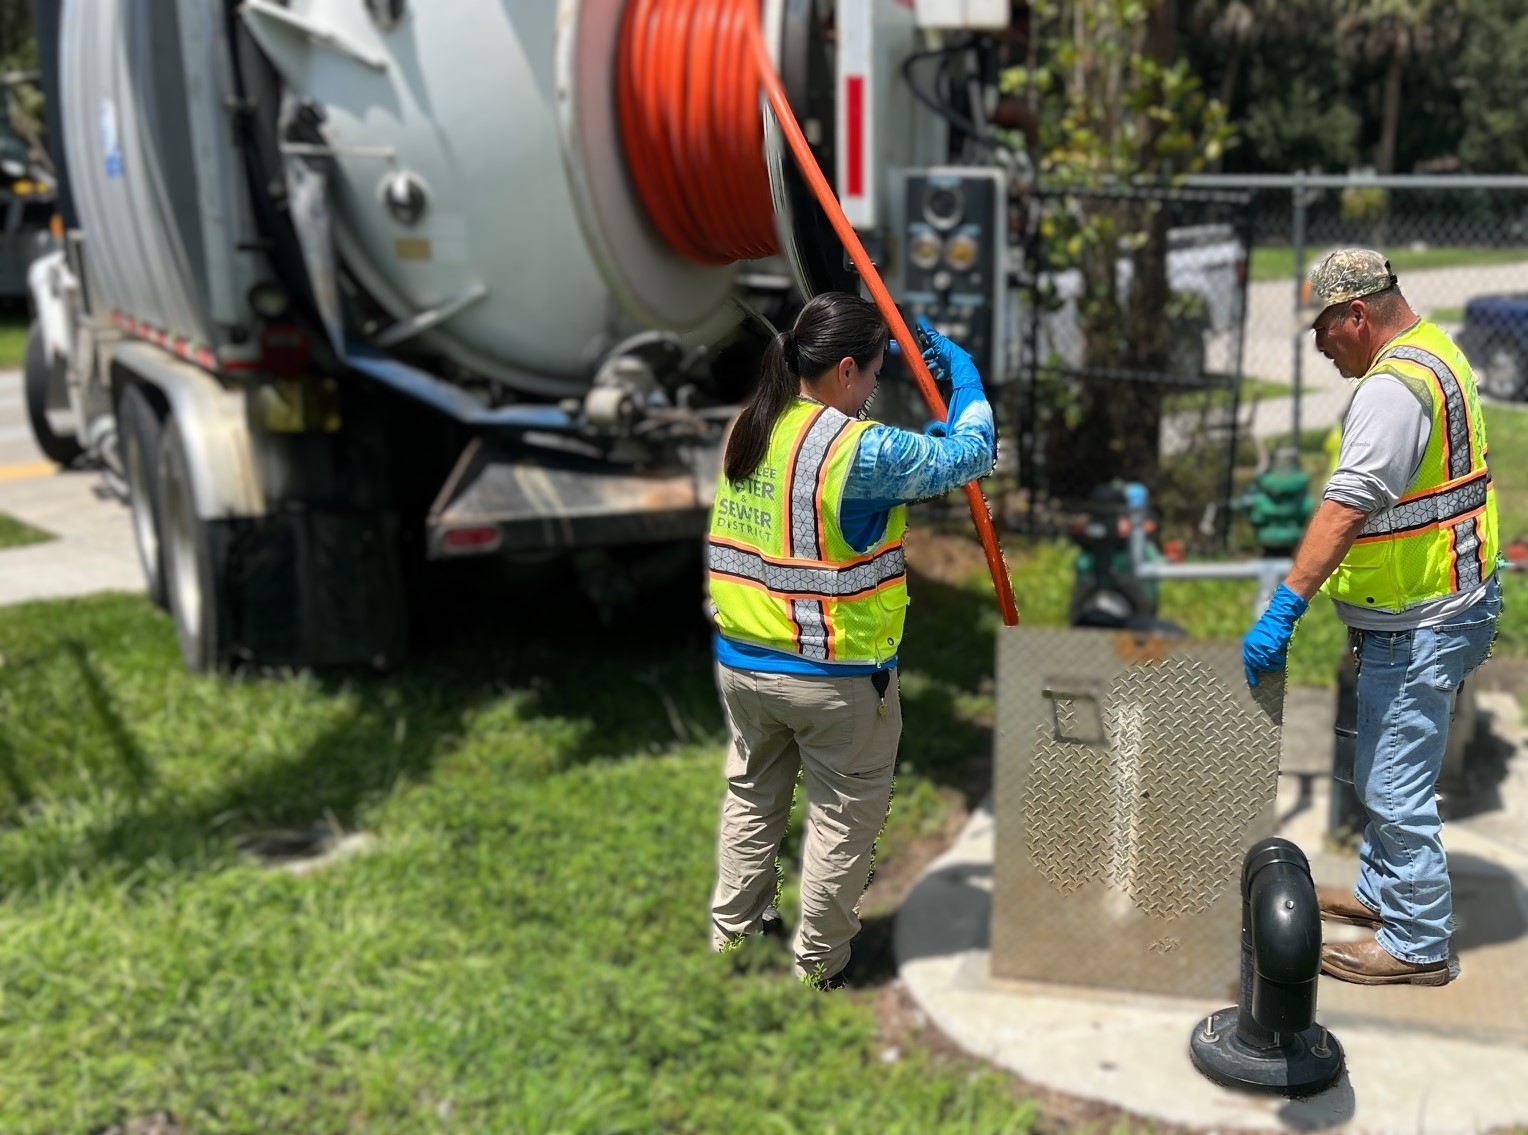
(1503, 675)
(944, 556)
(895, 877)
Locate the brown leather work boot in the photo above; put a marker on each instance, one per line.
(1339, 904)
(1369, 963)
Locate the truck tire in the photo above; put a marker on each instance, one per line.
(37, 376)
(189, 554)
(139, 432)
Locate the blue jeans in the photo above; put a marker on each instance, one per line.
(1406, 686)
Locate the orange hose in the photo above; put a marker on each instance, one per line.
(980, 515)
(694, 142)
(689, 110)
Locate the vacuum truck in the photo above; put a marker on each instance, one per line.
(350, 286)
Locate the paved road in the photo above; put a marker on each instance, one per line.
(93, 550)
(1271, 326)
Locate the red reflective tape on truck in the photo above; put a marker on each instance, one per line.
(855, 127)
(476, 538)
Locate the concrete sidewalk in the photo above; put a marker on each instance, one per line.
(92, 549)
(1434, 1070)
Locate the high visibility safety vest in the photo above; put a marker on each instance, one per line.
(782, 575)
(1441, 536)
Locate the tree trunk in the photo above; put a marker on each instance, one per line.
(1228, 83)
(1231, 77)
(1384, 158)
(1116, 421)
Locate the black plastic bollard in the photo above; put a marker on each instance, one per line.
(1269, 1041)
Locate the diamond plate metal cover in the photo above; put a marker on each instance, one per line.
(1132, 773)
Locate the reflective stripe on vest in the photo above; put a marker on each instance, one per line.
(781, 573)
(1440, 537)
(808, 465)
(801, 582)
(1456, 419)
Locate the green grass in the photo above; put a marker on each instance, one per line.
(14, 534)
(1278, 263)
(1220, 609)
(1446, 315)
(1253, 390)
(13, 341)
(1507, 436)
(524, 951)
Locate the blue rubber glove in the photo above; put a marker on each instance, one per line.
(1264, 647)
(946, 356)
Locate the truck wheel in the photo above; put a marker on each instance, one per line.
(189, 558)
(38, 377)
(140, 430)
(1503, 370)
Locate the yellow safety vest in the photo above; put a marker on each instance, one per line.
(1441, 536)
(782, 575)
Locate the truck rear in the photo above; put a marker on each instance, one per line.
(349, 287)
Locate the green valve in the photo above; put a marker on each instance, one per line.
(1278, 504)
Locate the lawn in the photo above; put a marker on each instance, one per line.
(1252, 390)
(13, 341)
(14, 534)
(1278, 263)
(524, 950)
(1219, 608)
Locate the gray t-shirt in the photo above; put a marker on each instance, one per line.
(1384, 437)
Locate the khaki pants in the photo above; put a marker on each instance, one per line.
(831, 730)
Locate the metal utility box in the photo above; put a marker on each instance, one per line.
(1132, 772)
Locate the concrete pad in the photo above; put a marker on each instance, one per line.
(93, 549)
(1437, 1060)
(17, 447)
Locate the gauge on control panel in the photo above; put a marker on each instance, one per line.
(962, 252)
(924, 249)
(944, 206)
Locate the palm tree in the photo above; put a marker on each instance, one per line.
(1242, 26)
(1392, 34)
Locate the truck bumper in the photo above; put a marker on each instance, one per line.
(521, 499)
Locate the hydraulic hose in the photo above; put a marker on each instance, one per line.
(689, 111)
(694, 142)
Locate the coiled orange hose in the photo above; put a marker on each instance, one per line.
(688, 100)
(695, 146)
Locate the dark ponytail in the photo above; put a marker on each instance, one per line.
(830, 327)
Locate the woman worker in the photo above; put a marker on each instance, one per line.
(809, 589)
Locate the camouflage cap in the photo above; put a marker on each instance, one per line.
(1348, 274)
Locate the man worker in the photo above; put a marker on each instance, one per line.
(1405, 543)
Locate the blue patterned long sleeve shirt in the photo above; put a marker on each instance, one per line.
(895, 466)
(892, 467)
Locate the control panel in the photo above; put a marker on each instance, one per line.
(950, 228)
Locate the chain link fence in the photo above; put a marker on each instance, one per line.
(1229, 370)
(1458, 244)
(1129, 312)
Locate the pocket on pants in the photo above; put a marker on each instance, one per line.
(1458, 649)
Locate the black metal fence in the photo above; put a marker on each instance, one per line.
(1129, 315)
